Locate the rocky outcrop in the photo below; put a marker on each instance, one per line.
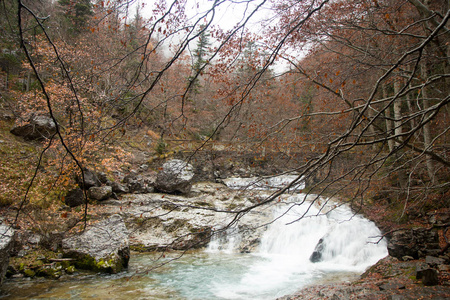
(37, 127)
(175, 177)
(161, 221)
(6, 244)
(416, 242)
(103, 247)
(100, 193)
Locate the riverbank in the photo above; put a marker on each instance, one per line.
(389, 279)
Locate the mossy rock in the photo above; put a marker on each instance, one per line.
(29, 273)
(70, 269)
(110, 264)
(54, 270)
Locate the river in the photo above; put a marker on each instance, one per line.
(281, 264)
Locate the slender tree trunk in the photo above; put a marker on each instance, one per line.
(372, 129)
(387, 114)
(397, 114)
(426, 127)
(6, 80)
(28, 81)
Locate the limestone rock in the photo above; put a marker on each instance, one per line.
(74, 197)
(175, 177)
(37, 127)
(102, 247)
(6, 244)
(100, 193)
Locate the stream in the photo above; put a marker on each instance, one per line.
(281, 264)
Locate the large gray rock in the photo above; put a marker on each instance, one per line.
(100, 193)
(6, 244)
(103, 247)
(416, 242)
(119, 188)
(175, 177)
(90, 179)
(37, 127)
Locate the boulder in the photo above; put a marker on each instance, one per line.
(416, 242)
(138, 184)
(119, 188)
(428, 275)
(6, 244)
(102, 247)
(37, 127)
(74, 197)
(175, 177)
(103, 178)
(316, 256)
(434, 261)
(90, 179)
(100, 192)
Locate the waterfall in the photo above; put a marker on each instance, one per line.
(226, 241)
(348, 243)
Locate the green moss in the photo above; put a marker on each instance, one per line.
(70, 269)
(138, 248)
(50, 271)
(29, 273)
(203, 204)
(170, 206)
(109, 265)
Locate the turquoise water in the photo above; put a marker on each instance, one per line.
(196, 275)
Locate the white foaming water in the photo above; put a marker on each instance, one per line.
(350, 245)
(225, 242)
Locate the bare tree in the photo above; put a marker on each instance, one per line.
(392, 51)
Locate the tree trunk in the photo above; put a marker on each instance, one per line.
(426, 127)
(387, 114)
(397, 114)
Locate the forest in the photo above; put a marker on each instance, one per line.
(353, 93)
